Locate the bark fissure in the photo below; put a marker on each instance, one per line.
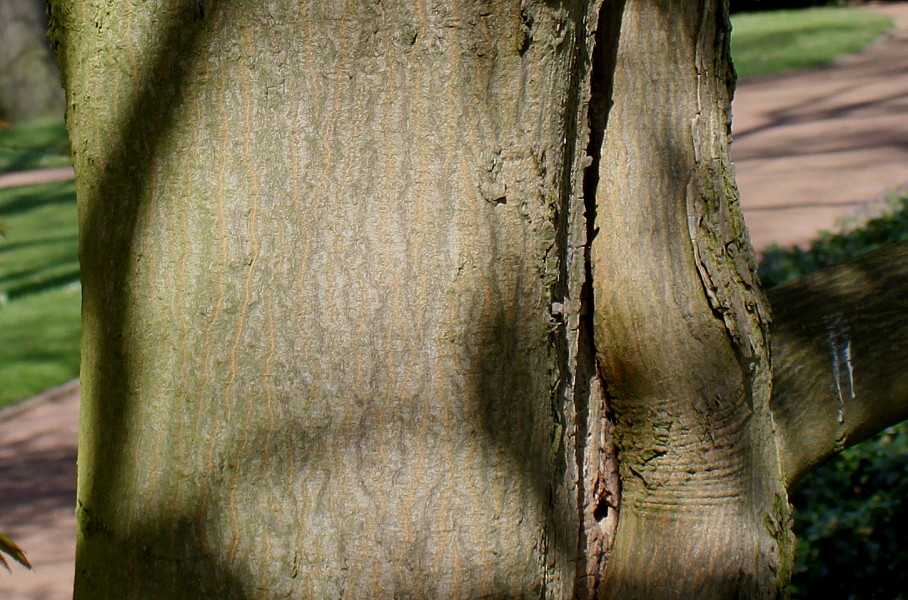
(600, 486)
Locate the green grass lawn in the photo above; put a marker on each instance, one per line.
(39, 346)
(40, 295)
(39, 290)
(36, 145)
(769, 42)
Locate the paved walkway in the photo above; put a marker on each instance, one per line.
(8, 180)
(811, 147)
(38, 492)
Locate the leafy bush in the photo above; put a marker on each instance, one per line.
(851, 514)
(780, 265)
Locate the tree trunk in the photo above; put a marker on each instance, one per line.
(680, 324)
(29, 79)
(343, 332)
(326, 255)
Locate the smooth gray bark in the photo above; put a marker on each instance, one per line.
(29, 79)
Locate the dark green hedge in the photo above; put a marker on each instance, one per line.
(851, 514)
(779, 265)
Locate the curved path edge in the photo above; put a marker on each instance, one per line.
(8, 180)
(818, 146)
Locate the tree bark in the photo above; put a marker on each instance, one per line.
(29, 78)
(370, 287)
(332, 256)
(681, 325)
(840, 356)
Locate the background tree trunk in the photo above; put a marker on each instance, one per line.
(29, 79)
(840, 356)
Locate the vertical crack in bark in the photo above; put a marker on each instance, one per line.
(596, 452)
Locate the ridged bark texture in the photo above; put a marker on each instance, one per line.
(332, 259)
(681, 325)
(338, 303)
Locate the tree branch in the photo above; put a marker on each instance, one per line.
(840, 354)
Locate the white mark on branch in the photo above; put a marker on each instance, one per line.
(847, 354)
(842, 368)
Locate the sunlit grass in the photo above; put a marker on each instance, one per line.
(39, 289)
(36, 145)
(769, 42)
(39, 343)
(38, 251)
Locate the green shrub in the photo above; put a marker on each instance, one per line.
(780, 265)
(851, 514)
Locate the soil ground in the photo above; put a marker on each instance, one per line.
(811, 147)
